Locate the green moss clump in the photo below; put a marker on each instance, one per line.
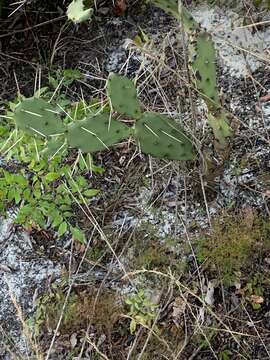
(233, 243)
(81, 308)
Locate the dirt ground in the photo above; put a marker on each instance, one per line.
(152, 215)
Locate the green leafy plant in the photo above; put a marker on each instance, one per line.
(141, 310)
(42, 198)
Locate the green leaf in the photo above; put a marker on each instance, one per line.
(62, 228)
(73, 74)
(17, 195)
(91, 192)
(78, 234)
(77, 12)
(132, 326)
(57, 220)
(51, 176)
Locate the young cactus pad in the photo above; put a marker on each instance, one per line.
(123, 96)
(96, 133)
(160, 137)
(202, 61)
(220, 127)
(36, 116)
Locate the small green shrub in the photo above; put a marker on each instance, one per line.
(141, 309)
(232, 243)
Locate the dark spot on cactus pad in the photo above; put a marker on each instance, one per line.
(170, 146)
(46, 123)
(156, 143)
(198, 75)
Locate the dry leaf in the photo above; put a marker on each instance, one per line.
(179, 307)
(120, 7)
(248, 217)
(265, 98)
(256, 299)
(73, 340)
(209, 297)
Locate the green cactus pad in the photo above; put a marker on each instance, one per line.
(220, 127)
(96, 133)
(36, 116)
(123, 96)
(160, 137)
(202, 63)
(190, 25)
(179, 12)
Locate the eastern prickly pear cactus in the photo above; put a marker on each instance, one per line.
(202, 66)
(123, 96)
(202, 63)
(37, 117)
(96, 133)
(220, 126)
(156, 134)
(179, 12)
(160, 137)
(189, 23)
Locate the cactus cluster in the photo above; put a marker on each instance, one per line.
(155, 134)
(202, 66)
